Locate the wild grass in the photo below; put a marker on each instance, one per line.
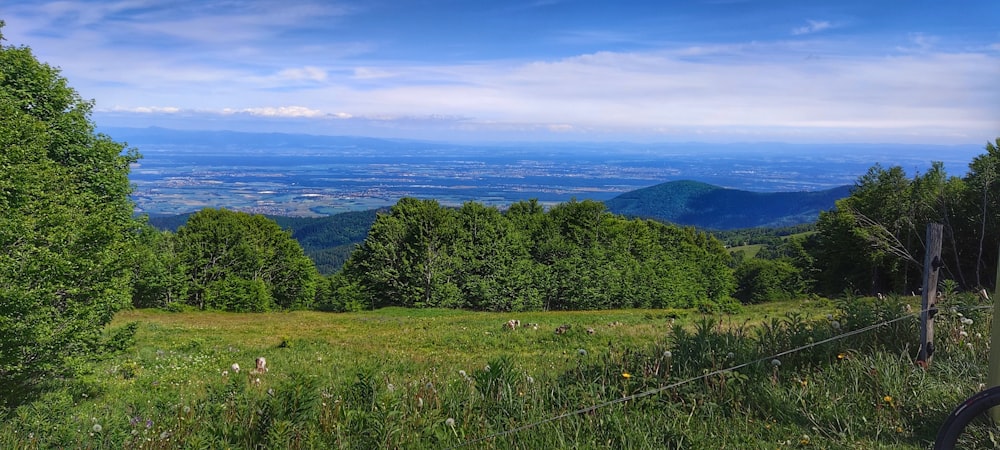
(401, 378)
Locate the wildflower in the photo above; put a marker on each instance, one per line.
(887, 399)
(236, 368)
(667, 354)
(730, 355)
(776, 362)
(164, 435)
(225, 373)
(530, 380)
(804, 382)
(134, 420)
(841, 356)
(804, 440)
(835, 325)
(966, 321)
(899, 429)
(97, 428)
(582, 352)
(149, 423)
(186, 409)
(626, 375)
(450, 422)
(963, 333)
(463, 374)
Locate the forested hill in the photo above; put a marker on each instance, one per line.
(712, 207)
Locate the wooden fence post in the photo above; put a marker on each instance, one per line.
(928, 297)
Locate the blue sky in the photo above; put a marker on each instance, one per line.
(535, 70)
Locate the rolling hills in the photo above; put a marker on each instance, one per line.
(716, 208)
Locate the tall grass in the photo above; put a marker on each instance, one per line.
(439, 379)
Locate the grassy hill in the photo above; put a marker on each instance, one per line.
(717, 208)
(403, 378)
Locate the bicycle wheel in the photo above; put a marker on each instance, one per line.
(973, 409)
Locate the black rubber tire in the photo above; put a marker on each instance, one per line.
(969, 410)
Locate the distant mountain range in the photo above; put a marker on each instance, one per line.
(716, 208)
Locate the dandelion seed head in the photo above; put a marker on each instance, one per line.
(450, 422)
(235, 367)
(667, 354)
(776, 362)
(97, 428)
(530, 379)
(730, 355)
(463, 374)
(582, 352)
(835, 325)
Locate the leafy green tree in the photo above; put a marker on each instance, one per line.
(764, 280)
(983, 183)
(159, 278)
(229, 256)
(874, 240)
(496, 273)
(407, 258)
(65, 226)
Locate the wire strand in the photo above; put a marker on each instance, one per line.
(915, 314)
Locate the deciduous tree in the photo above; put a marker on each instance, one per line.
(65, 226)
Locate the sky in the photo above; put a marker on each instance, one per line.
(533, 70)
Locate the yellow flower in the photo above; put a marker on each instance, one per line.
(887, 399)
(899, 429)
(626, 375)
(841, 356)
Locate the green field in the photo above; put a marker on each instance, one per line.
(432, 378)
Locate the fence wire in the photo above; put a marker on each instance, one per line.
(655, 391)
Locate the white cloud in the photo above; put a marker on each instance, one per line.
(148, 109)
(307, 73)
(812, 26)
(279, 111)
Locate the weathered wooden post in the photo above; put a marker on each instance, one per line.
(928, 298)
(993, 376)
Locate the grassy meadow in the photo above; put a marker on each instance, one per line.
(432, 378)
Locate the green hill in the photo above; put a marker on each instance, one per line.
(713, 207)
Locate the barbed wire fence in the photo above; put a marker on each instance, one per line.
(649, 392)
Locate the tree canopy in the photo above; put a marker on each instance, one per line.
(65, 225)
(241, 262)
(874, 240)
(574, 256)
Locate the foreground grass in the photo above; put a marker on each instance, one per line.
(399, 378)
